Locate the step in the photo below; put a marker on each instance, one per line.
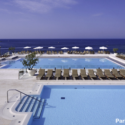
(31, 105)
(27, 104)
(37, 115)
(36, 106)
(22, 103)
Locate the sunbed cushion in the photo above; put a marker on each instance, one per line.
(115, 72)
(83, 73)
(108, 73)
(74, 73)
(99, 73)
(91, 73)
(58, 73)
(66, 73)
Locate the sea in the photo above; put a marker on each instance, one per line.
(19, 44)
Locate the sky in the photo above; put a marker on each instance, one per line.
(62, 19)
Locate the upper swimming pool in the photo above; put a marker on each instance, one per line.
(61, 63)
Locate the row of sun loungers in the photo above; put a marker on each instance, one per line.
(54, 52)
(80, 52)
(114, 74)
(28, 52)
(5, 55)
(61, 52)
(87, 52)
(103, 52)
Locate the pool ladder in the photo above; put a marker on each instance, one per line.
(29, 104)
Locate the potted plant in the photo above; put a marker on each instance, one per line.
(29, 62)
(115, 51)
(12, 49)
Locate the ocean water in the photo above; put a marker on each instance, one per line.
(59, 43)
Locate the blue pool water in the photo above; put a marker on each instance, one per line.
(61, 63)
(83, 105)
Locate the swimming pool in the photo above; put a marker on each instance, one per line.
(82, 105)
(61, 63)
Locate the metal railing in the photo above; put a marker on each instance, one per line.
(20, 95)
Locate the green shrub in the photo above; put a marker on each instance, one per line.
(12, 49)
(115, 50)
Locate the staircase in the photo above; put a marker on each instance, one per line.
(28, 104)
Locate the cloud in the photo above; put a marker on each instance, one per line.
(43, 6)
(4, 10)
(9, 11)
(97, 14)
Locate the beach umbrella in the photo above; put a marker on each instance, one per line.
(75, 47)
(103, 47)
(39, 47)
(64, 48)
(27, 47)
(89, 48)
(51, 47)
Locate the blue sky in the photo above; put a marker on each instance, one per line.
(62, 19)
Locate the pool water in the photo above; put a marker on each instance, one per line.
(83, 105)
(61, 63)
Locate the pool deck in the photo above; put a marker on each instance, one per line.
(9, 80)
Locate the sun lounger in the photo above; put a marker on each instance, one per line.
(12, 57)
(3, 58)
(83, 73)
(58, 73)
(84, 52)
(108, 74)
(81, 53)
(100, 73)
(108, 52)
(49, 73)
(116, 74)
(122, 72)
(91, 74)
(99, 52)
(41, 74)
(74, 73)
(66, 73)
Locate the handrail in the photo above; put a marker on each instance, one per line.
(20, 95)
